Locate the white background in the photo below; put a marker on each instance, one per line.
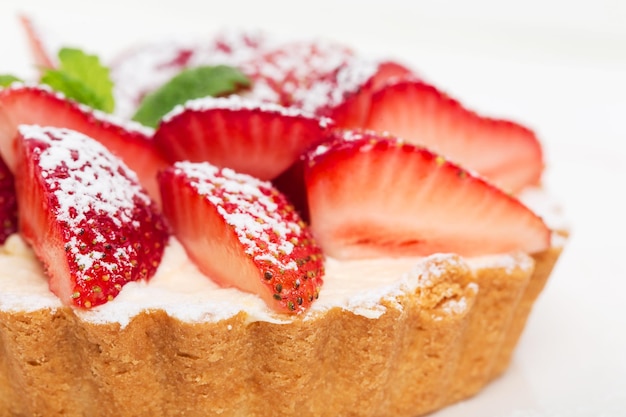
(558, 66)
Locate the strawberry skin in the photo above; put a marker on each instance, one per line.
(248, 237)
(8, 203)
(43, 56)
(35, 105)
(371, 195)
(259, 139)
(85, 214)
(389, 71)
(353, 108)
(324, 78)
(505, 152)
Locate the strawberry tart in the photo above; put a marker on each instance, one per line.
(319, 235)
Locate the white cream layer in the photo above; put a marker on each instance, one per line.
(183, 292)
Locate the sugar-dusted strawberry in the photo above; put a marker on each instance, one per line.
(309, 75)
(505, 152)
(372, 195)
(85, 214)
(351, 108)
(8, 203)
(324, 78)
(40, 106)
(259, 139)
(241, 232)
(144, 68)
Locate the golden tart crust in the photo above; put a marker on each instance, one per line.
(433, 346)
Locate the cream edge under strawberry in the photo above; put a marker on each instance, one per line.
(179, 288)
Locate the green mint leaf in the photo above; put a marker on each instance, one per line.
(189, 84)
(6, 80)
(83, 78)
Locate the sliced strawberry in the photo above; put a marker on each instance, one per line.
(259, 139)
(309, 75)
(85, 214)
(8, 203)
(40, 106)
(291, 183)
(141, 70)
(249, 236)
(327, 79)
(352, 109)
(43, 54)
(506, 153)
(390, 70)
(372, 196)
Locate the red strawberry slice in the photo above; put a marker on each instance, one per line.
(372, 196)
(259, 139)
(85, 214)
(249, 236)
(390, 70)
(8, 203)
(324, 78)
(141, 70)
(352, 110)
(506, 153)
(291, 184)
(43, 55)
(40, 106)
(309, 75)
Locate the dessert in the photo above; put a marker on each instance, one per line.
(414, 275)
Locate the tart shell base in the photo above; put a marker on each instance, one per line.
(433, 346)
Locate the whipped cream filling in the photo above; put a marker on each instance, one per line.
(181, 290)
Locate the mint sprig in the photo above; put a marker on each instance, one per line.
(188, 85)
(83, 78)
(6, 80)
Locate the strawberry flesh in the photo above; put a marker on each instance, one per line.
(249, 237)
(505, 152)
(43, 55)
(8, 203)
(389, 71)
(371, 195)
(259, 139)
(86, 216)
(352, 110)
(35, 105)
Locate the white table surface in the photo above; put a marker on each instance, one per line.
(558, 66)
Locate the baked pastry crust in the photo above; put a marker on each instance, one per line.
(433, 346)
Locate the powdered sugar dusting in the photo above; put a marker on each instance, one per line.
(509, 262)
(88, 184)
(343, 136)
(248, 205)
(99, 203)
(148, 67)
(236, 103)
(309, 75)
(312, 75)
(428, 272)
(350, 78)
